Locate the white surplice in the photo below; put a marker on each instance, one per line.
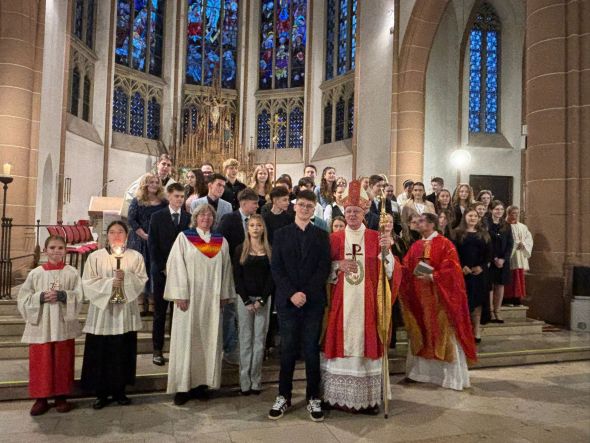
(354, 381)
(196, 340)
(49, 322)
(520, 257)
(105, 318)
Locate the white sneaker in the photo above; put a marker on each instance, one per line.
(279, 408)
(314, 407)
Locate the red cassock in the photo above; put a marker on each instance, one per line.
(431, 309)
(51, 368)
(334, 338)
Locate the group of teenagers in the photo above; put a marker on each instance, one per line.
(331, 269)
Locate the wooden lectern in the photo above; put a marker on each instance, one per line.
(102, 211)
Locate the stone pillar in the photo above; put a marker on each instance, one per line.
(21, 59)
(557, 185)
(409, 84)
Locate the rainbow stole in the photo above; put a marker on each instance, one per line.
(210, 249)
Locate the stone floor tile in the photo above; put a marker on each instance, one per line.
(308, 433)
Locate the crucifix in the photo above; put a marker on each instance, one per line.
(275, 123)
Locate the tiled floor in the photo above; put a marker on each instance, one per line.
(541, 403)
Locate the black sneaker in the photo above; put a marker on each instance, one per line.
(314, 407)
(279, 408)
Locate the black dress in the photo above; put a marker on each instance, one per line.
(475, 251)
(502, 243)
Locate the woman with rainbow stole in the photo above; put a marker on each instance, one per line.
(199, 282)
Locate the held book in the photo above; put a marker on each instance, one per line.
(423, 268)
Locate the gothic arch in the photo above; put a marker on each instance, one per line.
(409, 83)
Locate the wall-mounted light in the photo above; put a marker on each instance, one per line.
(7, 169)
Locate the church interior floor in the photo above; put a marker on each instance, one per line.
(535, 403)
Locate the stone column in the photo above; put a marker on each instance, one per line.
(21, 58)
(409, 83)
(557, 185)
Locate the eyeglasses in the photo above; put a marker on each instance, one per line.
(306, 206)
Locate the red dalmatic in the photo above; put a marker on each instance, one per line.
(433, 309)
(334, 338)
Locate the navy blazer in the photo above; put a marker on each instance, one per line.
(293, 272)
(161, 236)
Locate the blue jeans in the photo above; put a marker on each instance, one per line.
(300, 327)
(230, 328)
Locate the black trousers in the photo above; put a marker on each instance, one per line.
(109, 363)
(160, 310)
(300, 328)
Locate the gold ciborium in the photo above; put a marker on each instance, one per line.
(117, 295)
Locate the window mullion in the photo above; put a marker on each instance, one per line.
(80, 104)
(203, 29)
(148, 37)
(274, 43)
(130, 39)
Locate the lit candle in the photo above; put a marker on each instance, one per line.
(7, 168)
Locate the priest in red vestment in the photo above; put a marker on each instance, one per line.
(435, 310)
(353, 345)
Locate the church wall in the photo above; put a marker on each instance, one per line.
(497, 155)
(375, 59)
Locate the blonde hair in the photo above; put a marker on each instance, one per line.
(263, 239)
(142, 194)
(230, 162)
(254, 180)
(456, 200)
(201, 209)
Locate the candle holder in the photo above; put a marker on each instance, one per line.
(117, 294)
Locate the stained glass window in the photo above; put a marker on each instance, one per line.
(75, 92)
(328, 123)
(86, 100)
(340, 116)
(340, 37)
(212, 42)
(153, 119)
(139, 38)
(283, 33)
(484, 71)
(350, 116)
(296, 128)
(282, 132)
(83, 21)
(263, 130)
(120, 104)
(137, 115)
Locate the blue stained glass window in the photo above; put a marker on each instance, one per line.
(120, 104)
(283, 34)
(263, 130)
(123, 31)
(340, 114)
(296, 128)
(298, 43)
(75, 92)
(230, 44)
(139, 37)
(78, 24)
(86, 100)
(137, 115)
(484, 71)
(153, 120)
(212, 42)
(343, 37)
(350, 109)
(353, 35)
(212, 39)
(330, 26)
(90, 23)
(282, 131)
(328, 123)
(341, 23)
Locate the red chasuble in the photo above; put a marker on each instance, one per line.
(334, 338)
(431, 309)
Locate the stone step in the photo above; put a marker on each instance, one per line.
(493, 352)
(9, 308)
(15, 325)
(12, 348)
(509, 327)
